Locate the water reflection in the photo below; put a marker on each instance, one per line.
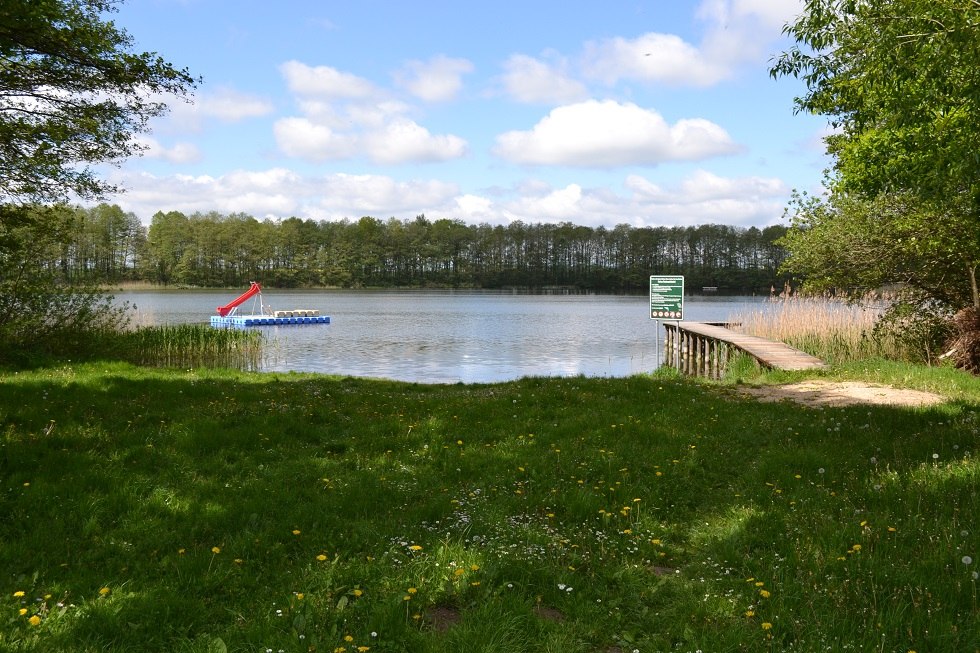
(445, 337)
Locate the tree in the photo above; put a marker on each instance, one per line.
(37, 317)
(72, 95)
(900, 83)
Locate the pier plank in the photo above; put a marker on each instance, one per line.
(773, 354)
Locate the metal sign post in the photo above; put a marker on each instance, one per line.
(666, 301)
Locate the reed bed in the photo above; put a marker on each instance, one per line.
(832, 329)
(191, 345)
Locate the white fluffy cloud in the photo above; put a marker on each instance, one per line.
(230, 105)
(302, 138)
(223, 104)
(701, 198)
(736, 32)
(437, 80)
(345, 116)
(180, 153)
(404, 141)
(653, 58)
(281, 193)
(608, 134)
(325, 82)
(531, 80)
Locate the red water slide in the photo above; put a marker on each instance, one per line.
(254, 289)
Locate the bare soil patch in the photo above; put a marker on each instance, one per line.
(842, 393)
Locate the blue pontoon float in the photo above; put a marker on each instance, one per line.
(228, 314)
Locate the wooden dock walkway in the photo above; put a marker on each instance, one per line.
(702, 349)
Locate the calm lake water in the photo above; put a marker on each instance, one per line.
(449, 336)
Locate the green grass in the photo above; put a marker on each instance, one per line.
(199, 511)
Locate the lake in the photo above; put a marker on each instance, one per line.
(448, 336)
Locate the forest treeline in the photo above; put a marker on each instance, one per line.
(106, 244)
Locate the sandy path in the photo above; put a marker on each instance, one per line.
(842, 393)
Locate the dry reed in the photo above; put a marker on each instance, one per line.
(832, 329)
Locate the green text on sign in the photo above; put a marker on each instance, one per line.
(666, 297)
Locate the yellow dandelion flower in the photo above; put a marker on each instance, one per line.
(474, 567)
(34, 621)
(239, 561)
(764, 594)
(475, 583)
(766, 625)
(759, 583)
(362, 649)
(181, 552)
(300, 596)
(22, 611)
(215, 549)
(406, 598)
(348, 638)
(104, 591)
(321, 557)
(749, 613)
(415, 547)
(357, 592)
(412, 590)
(459, 572)
(655, 542)
(856, 547)
(892, 529)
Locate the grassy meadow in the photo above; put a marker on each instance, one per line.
(209, 510)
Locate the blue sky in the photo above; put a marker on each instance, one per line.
(644, 113)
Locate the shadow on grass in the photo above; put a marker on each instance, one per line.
(251, 507)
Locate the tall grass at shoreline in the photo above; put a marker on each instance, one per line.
(190, 345)
(833, 330)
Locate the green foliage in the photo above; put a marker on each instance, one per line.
(856, 245)
(900, 82)
(74, 95)
(40, 315)
(230, 250)
(211, 510)
(899, 79)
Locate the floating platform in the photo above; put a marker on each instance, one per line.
(279, 318)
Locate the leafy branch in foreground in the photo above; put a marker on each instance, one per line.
(72, 94)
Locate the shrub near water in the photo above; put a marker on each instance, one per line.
(211, 511)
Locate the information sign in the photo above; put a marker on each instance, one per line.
(666, 297)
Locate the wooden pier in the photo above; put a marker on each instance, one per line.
(702, 349)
